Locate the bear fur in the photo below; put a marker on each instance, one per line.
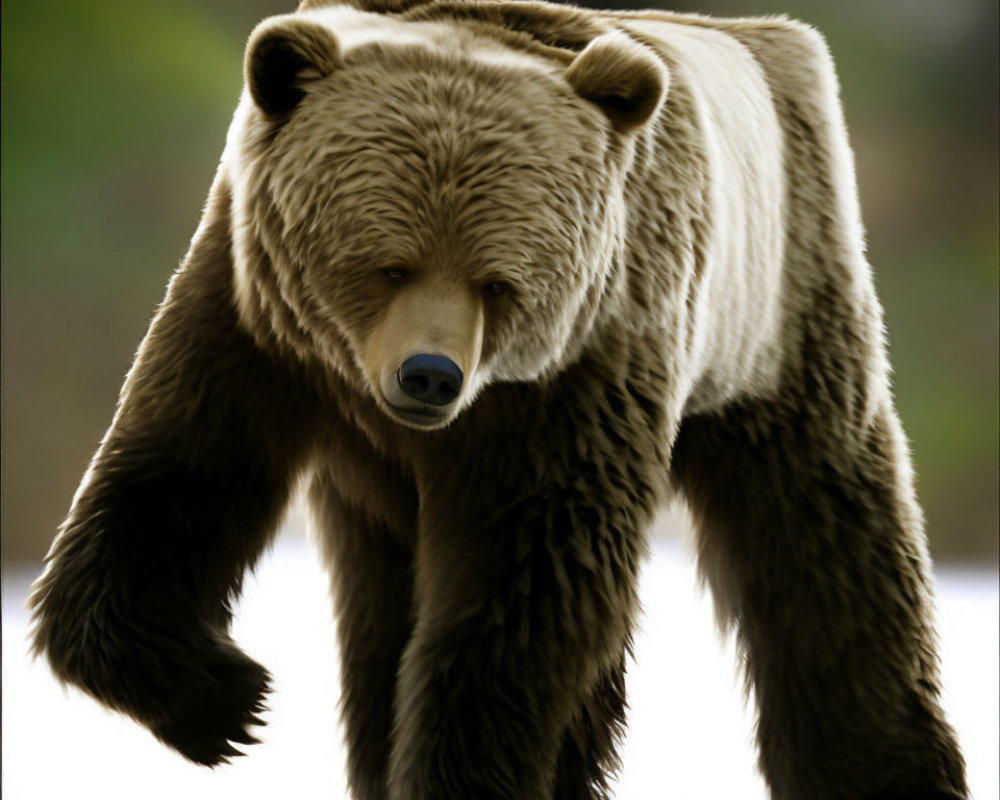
(635, 239)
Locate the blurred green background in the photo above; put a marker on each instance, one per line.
(114, 114)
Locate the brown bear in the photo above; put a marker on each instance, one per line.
(498, 279)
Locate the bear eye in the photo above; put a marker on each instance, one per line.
(496, 288)
(396, 274)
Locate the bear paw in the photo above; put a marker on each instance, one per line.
(208, 717)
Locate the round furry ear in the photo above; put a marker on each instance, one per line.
(282, 54)
(623, 77)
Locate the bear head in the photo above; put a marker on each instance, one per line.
(430, 206)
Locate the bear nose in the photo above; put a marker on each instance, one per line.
(430, 379)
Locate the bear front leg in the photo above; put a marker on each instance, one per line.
(180, 499)
(811, 540)
(589, 753)
(371, 570)
(519, 616)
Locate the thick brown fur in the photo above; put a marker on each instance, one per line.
(636, 238)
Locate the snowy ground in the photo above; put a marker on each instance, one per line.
(689, 732)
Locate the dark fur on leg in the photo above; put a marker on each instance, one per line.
(185, 492)
(589, 754)
(372, 578)
(523, 612)
(815, 554)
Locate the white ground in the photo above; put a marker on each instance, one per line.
(689, 732)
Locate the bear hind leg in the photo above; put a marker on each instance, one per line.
(810, 538)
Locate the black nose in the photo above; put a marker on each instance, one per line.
(430, 379)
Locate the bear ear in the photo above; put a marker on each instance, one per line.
(623, 77)
(283, 53)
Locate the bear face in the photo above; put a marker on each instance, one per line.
(440, 217)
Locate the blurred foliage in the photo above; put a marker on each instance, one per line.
(114, 114)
